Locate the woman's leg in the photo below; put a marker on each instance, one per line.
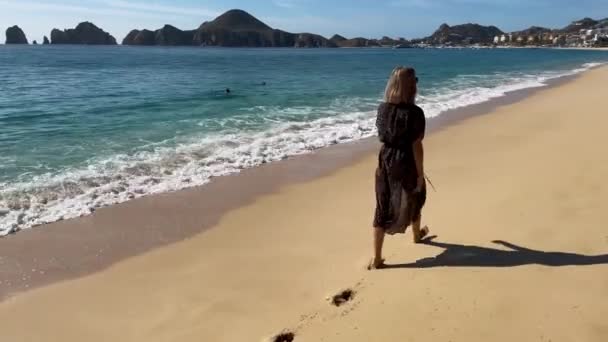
(419, 233)
(419, 199)
(416, 230)
(378, 242)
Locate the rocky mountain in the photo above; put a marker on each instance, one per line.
(337, 39)
(235, 28)
(464, 34)
(239, 28)
(85, 33)
(15, 35)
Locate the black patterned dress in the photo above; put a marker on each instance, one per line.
(397, 203)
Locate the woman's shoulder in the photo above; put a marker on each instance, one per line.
(385, 105)
(406, 107)
(413, 107)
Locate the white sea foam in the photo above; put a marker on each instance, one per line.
(74, 193)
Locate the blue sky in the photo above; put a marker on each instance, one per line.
(368, 18)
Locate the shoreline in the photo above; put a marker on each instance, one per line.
(512, 251)
(77, 247)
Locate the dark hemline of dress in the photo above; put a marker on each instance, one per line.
(397, 203)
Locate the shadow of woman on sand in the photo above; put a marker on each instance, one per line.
(456, 255)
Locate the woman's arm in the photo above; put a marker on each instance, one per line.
(420, 128)
(419, 159)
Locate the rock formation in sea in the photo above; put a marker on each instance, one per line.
(464, 34)
(34, 43)
(85, 33)
(15, 35)
(235, 28)
(170, 35)
(46, 41)
(137, 37)
(167, 36)
(358, 42)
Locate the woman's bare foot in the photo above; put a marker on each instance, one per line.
(421, 234)
(376, 264)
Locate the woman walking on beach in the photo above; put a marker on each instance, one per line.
(400, 184)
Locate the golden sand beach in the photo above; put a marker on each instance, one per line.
(521, 252)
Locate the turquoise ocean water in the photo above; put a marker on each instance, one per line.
(86, 127)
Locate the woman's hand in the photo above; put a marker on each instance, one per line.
(419, 183)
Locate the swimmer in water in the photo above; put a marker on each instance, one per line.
(227, 90)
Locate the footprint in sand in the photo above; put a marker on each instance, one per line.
(284, 337)
(342, 297)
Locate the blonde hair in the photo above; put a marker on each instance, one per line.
(401, 86)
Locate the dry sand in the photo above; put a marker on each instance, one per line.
(530, 174)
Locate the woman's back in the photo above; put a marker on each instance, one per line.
(400, 125)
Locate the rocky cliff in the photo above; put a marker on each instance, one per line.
(85, 33)
(166, 36)
(235, 28)
(15, 35)
(137, 37)
(464, 34)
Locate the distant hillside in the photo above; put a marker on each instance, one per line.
(235, 28)
(336, 38)
(583, 24)
(532, 31)
(464, 34)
